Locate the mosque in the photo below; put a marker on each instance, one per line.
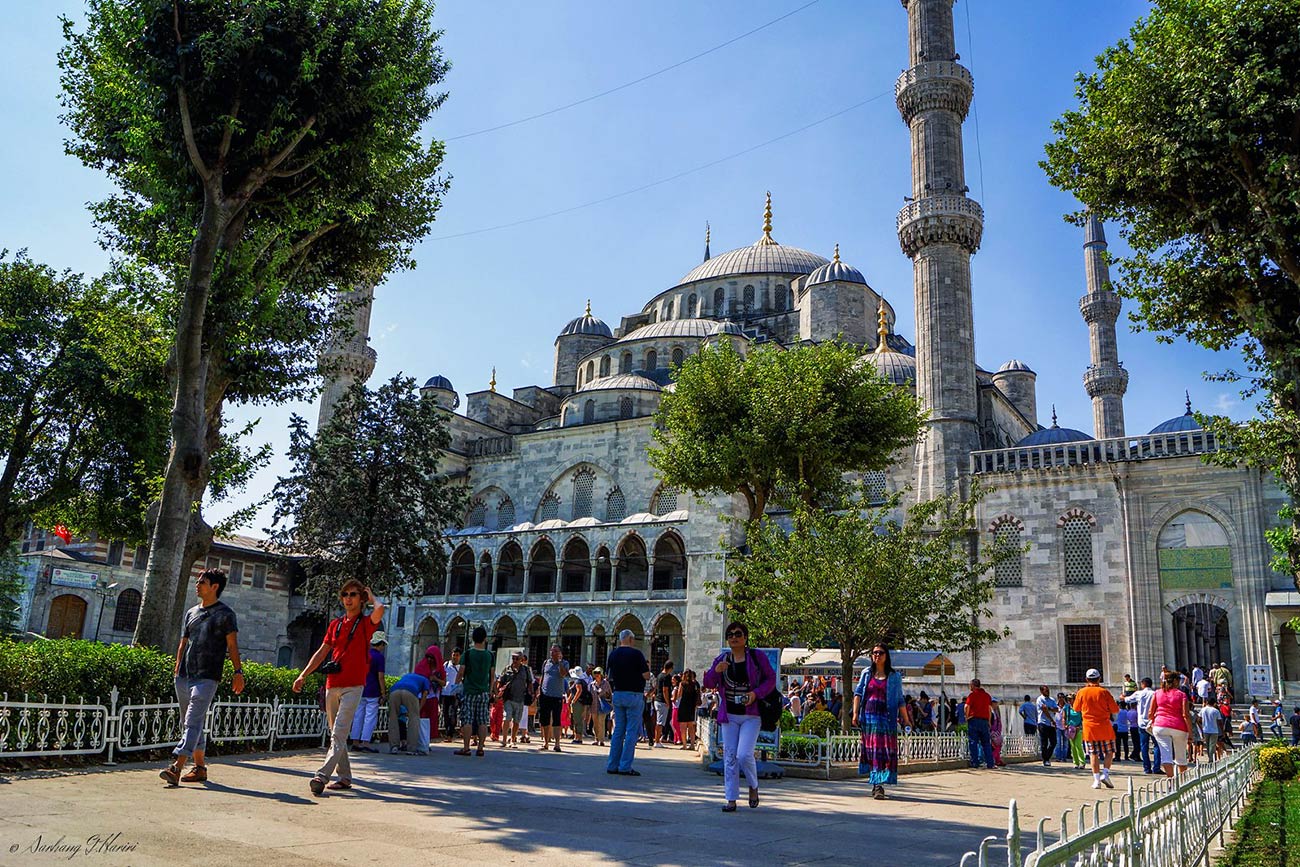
(1138, 553)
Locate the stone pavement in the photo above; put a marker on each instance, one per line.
(511, 806)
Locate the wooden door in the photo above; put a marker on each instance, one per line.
(67, 617)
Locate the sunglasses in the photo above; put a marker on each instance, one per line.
(349, 594)
(735, 633)
(877, 653)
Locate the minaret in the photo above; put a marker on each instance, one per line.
(939, 228)
(1105, 380)
(707, 256)
(348, 358)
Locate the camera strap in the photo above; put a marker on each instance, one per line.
(348, 640)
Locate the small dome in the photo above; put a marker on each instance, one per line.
(697, 328)
(1179, 424)
(1054, 435)
(621, 381)
(836, 271)
(587, 324)
(439, 382)
(894, 366)
(1015, 365)
(728, 327)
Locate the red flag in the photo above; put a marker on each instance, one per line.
(62, 532)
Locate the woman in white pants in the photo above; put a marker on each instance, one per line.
(741, 676)
(1171, 723)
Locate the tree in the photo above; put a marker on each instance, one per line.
(1189, 133)
(851, 579)
(13, 586)
(82, 411)
(267, 153)
(779, 425)
(366, 499)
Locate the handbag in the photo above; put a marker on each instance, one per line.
(332, 665)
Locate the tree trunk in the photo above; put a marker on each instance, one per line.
(187, 461)
(846, 688)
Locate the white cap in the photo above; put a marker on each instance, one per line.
(1093, 674)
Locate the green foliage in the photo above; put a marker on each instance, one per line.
(1277, 763)
(779, 425)
(12, 587)
(1187, 133)
(820, 723)
(82, 401)
(1268, 832)
(787, 722)
(366, 499)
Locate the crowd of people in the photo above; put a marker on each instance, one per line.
(1167, 725)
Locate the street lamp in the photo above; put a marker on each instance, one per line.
(104, 593)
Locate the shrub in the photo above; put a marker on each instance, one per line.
(787, 722)
(819, 723)
(1277, 763)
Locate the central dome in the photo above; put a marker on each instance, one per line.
(763, 257)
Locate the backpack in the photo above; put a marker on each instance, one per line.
(584, 693)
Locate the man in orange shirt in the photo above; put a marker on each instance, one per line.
(1098, 707)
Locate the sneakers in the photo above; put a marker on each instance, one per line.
(1105, 781)
(394, 750)
(317, 786)
(1096, 784)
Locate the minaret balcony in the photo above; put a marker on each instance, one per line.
(1100, 307)
(937, 84)
(940, 220)
(359, 361)
(1103, 379)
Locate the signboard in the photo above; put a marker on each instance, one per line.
(504, 655)
(70, 578)
(1259, 680)
(768, 741)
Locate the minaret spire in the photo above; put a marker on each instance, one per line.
(1105, 379)
(939, 229)
(882, 322)
(706, 241)
(492, 383)
(767, 222)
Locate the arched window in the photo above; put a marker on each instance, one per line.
(665, 501)
(678, 356)
(749, 300)
(485, 574)
(584, 480)
(654, 315)
(669, 309)
(128, 610)
(462, 575)
(789, 298)
(874, 486)
(670, 563)
(604, 571)
(632, 569)
(778, 301)
(1006, 541)
(719, 302)
(625, 407)
(651, 360)
(510, 569)
(591, 370)
(477, 515)
(692, 304)
(615, 506)
(625, 363)
(604, 365)
(505, 513)
(541, 568)
(549, 510)
(576, 566)
(589, 412)
(1076, 548)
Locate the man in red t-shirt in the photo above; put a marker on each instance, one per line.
(979, 710)
(347, 642)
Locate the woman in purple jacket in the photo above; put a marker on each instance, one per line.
(741, 677)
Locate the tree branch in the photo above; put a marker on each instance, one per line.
(187, 126)
(229, 133)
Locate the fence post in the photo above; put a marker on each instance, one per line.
(1013, 836)
(275, 723)
(112, 725)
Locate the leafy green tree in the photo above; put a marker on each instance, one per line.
(366, 499)
(12, 587)
(83, 413)
(1189, 133)
(266, 154)
(778, 426)
(850, 579)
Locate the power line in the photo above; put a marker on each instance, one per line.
(635, 81)
(669, 179)
(975, 112)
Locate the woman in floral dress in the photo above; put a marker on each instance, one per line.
(877, 708)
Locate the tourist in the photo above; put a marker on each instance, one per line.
(430, 666)
(926, 706)
(579, 703)
(796, 703)
(648, 715)
(877, 707)
(450, 702)
(1121, 732)
(1045, 710)
(475, 678)
(1211, 722)
(995, 733)
(1203, 688)
(554, 672)
(677, 723)
(1225, 710)
(663, 703)
(1171, 721)
(628, 674)
(1198, 673)
(603, 694)
(1253, 720)
(347, 643)
(1132, 749)
(1095, 705)
(1294, 722)
(209, 632)
(1029, 716)
(517, 687)
(978, 707)
(743, 677)
(497, 715)
(1222, 677)
(1062, 728)
(407, 693)
(688, 702)
(1130, 686)
(1150, 749)
(1074, 731)
(1275, 721)
(375, 691)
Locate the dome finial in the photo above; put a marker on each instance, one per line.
(707, 232)
(588, 306)
(767, 221)
(882, 325)
(1188, 404)
(1054, 424)
(837, 253)
(492, 383)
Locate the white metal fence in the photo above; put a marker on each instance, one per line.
(1168, 823)
(43, 728)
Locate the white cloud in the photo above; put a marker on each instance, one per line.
(1225, 403)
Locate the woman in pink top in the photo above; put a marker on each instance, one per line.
(1171, 723)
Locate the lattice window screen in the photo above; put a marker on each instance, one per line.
(874, 482)
(583, 482)
(615, 506)
(1076, 539)
(625, 407)
(665, 501)
(477, 514)
(550, 508)
(1008, 573)
(505, 514)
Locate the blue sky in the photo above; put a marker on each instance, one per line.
(480, 299)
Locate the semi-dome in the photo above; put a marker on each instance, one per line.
(586, 324)
(622, 381)
(1179, 424)
(698, 328)
(439, 382)
(1015, 365)
(1054, 435)
(836, 271)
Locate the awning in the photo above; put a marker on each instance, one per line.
(827, 661)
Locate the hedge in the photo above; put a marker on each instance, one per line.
(1277, 763)
(820, 722)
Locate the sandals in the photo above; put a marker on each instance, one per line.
(479, 751)
(753, 798)
(462, 752)
(878, 792)
(199, 774)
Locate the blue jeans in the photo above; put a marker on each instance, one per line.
(981, 741)
(1147, 742)
(195, 695)
(628, 708)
